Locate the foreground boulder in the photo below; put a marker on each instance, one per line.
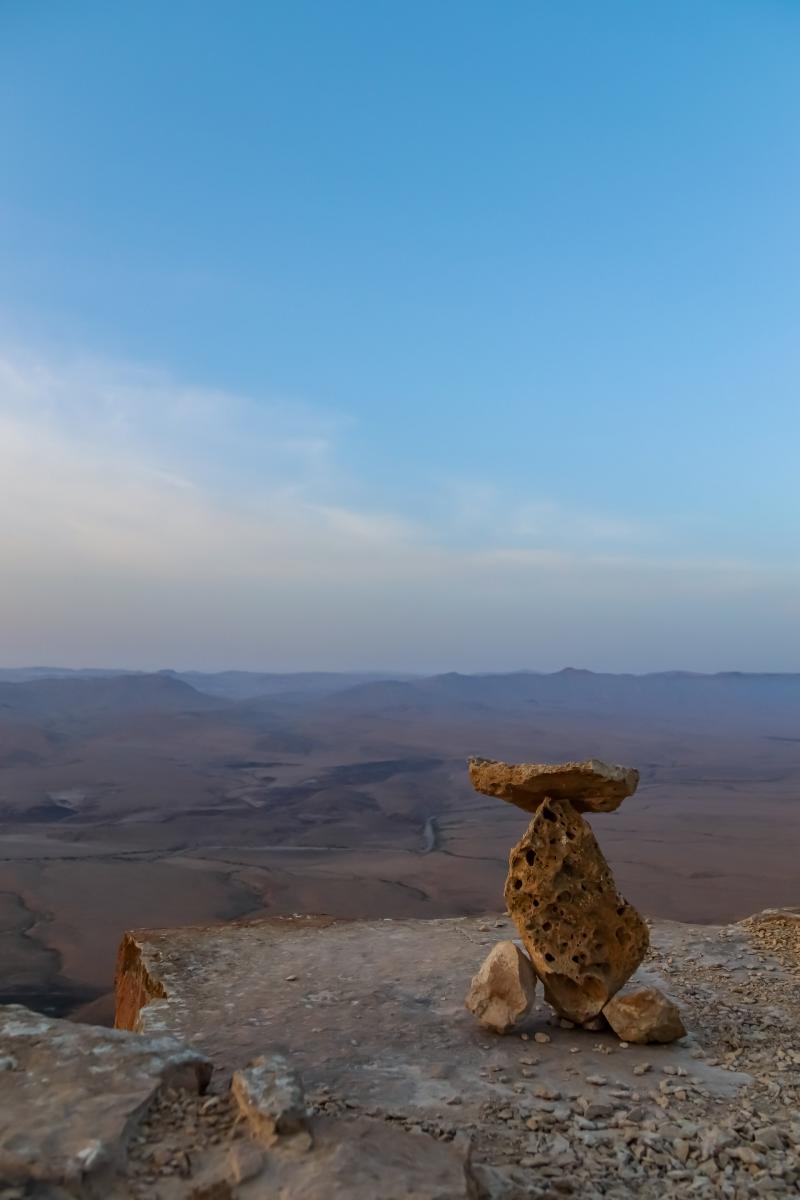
(71, 1097)
(502, 993)
(645, 1015)
(590, 786)
(584, 939)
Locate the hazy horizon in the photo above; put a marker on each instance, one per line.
(378, 671)
(440, 337)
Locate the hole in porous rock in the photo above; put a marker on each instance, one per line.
(548, 814)
(530, 857)
(549, 957)
(536, 904)
(570, 835)
(547, 926)
(564, 897)
(621, 910)
(517, 884)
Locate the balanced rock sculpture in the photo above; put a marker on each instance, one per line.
(584, 939)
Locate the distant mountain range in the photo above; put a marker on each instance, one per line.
(669, 695)
(82, 694)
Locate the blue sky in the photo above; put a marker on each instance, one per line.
(421, 336)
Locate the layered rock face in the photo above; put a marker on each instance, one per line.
(584, 939)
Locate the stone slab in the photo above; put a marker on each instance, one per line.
(590, 786)
(70, 1096)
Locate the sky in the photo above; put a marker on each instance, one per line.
(410, 336)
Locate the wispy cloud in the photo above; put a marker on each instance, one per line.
(490, 514)
(145, 521)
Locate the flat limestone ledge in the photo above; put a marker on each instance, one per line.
(71, 1096)
(373, 1011)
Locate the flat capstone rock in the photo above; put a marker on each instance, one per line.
(590, 786)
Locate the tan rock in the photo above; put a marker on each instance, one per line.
(644, 1015)
(590, 786)
(271, 1098)
(584, 939)
(502, 993)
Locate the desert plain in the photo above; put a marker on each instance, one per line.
(146, 800)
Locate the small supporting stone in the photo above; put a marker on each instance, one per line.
(502, 993)
(645, 1015)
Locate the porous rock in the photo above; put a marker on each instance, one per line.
(270, 1095)
(584, 939)
(502, 992)
(591, 786)
(644, 1015)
